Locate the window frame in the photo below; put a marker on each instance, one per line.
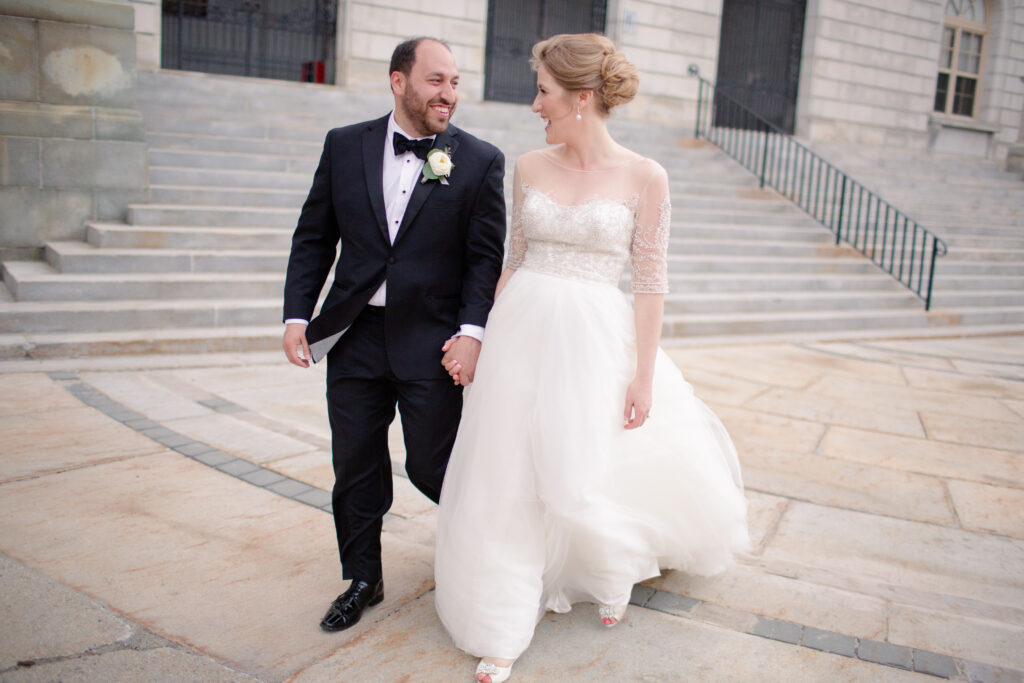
(959, 25)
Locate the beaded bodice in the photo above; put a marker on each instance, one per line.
(593, 239)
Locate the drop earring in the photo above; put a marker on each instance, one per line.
(579, 116)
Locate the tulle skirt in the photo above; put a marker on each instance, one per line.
(547, 500)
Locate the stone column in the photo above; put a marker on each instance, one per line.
(71, 142)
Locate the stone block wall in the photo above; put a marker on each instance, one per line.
(71, 143)
(662, 38)
(370, 33)
(868, 76)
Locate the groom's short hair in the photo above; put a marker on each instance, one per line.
(404, 55)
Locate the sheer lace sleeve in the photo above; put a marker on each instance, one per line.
(650, 236)
(517, 240)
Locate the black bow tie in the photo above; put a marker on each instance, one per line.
(418, 147)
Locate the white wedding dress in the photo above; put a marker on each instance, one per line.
(547, 500)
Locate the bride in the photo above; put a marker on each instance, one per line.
(563, 486)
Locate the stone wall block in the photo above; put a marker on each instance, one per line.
(100, 164)
(119, 124)
(86, 65)
(30, 215)
(31, 119)
(21, 162)
(111, 204)
(18, 65)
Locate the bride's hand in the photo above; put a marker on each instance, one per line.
(638, 403)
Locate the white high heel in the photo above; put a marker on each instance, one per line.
(611, 614)
(494, 673)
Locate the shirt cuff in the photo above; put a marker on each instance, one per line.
(474, 331)
(301, 321)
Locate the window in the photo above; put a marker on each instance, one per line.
(963, 40)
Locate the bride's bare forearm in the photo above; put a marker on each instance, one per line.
(648, 312)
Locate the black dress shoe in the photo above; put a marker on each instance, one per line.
(348, 607)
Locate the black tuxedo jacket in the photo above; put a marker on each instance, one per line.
(441, 270)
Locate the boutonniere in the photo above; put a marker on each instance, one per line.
(439, 165)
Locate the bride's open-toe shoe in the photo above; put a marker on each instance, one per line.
(611, 614)
(486, 672)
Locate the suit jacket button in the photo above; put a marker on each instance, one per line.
(391, 259)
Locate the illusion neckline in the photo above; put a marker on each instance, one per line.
(546, 154)
(627, 203)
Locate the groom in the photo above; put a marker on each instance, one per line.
(421, 250)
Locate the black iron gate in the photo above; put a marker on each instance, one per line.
(285, 39)
(759, 59)
(513, 26)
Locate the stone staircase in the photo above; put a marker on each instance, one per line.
(200, 267)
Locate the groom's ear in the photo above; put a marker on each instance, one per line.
(398, 80)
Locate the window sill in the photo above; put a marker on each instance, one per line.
(964, 123)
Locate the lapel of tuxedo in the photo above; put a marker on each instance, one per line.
(448, 139)
(373, 166)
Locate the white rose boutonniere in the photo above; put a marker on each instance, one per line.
(439, 166)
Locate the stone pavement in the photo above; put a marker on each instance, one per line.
(164, 520)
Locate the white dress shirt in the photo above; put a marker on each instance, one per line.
(401, 173)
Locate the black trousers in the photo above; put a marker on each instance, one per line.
(362, 393)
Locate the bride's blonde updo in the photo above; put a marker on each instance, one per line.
(588, 61)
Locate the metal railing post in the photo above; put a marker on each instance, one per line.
(842, 207)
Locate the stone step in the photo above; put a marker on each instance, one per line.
(792, 217)
(228, 196)
(693, 202)
(249, 179)
(38, 281)
(185, 237)
(81, 257)
(231, 161)
(678, 325)
(952, 269)
(946, 299)
(766, 265)
(987, 254)
(990, 242)
(683, 228)
(780, 302)
(310, 131)
(99, 316)
(172, 214)
(168, 340)
(763, 248)
(746, 283)
(212, 143)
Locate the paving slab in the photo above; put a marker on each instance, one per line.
(968, 384)
(40, 618)
(145, 395)
(32, 445)
(753, 590)
(647, 646)
(974, 431)
(238, 437)
(865, 414)
(959, 636)
(995, 509)
(902, 553)
(158, 665)
(987, 465)
(199, 557)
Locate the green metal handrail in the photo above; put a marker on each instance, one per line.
(856, 215)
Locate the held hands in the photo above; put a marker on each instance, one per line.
(638, 403)
(460, 354)
(294, 339)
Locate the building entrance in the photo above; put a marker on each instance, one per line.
(290, 40)
(759, 60)
(513, 26)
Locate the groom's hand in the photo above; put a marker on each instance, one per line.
(294, 339)
(460, 358)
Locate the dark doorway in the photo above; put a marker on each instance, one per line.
(290, 40)
(513, 26)
(759, 60)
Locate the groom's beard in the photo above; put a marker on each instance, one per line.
(418, 111)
